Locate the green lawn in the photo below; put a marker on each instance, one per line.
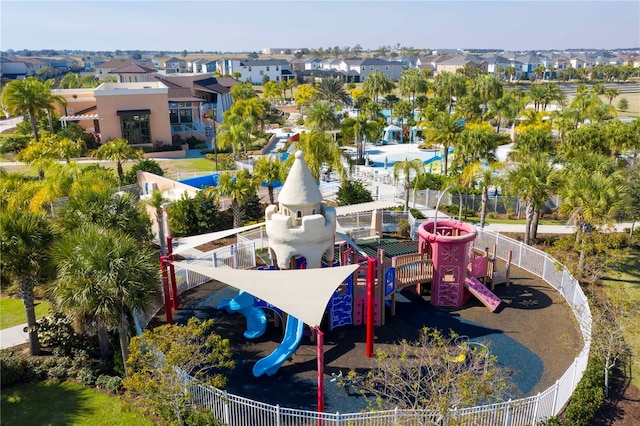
(628, 277)
(65, 403)
(12, 311)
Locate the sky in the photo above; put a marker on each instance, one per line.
(241, 26)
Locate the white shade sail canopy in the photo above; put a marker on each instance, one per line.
(187, 243)
(303, 293)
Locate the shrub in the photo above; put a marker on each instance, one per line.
(14, 143)
(35, 370)
(86, 376)
(110, 383)
(404, 228)
(353, 192)
(12, 368)
(57, 372)
(588, 397)
(146, 165)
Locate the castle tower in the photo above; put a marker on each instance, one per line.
(301, 224)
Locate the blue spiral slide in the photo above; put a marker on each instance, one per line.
(243, 304)
(272, 362)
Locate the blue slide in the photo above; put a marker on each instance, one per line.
(243, 303)
(272, 362)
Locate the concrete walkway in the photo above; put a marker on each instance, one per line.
(13, 336)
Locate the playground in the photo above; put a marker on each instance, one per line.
(513, 333)
(323, 302)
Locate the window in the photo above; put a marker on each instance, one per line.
(261, 72)
(277, 68)
(267, 68)
(249, 69)
(135, 126)
(180, 112)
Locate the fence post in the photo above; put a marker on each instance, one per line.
(277, 414)
(214, 259)
(507, 419)
(234, 256)
(535, 410)
(227, 419)
(555, 398)
(395, 416)
(544, 267)
(573, 378)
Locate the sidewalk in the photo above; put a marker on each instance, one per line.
(13, 336)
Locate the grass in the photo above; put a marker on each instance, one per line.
(628, 278)
(66, 403)
(12, 311)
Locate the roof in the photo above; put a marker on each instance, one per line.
(120, 63)
(303, 293)
(133, 68)
(263, 62)
(365, 207)
(300, 188)
(376, 61)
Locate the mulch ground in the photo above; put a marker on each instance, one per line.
(533, 314)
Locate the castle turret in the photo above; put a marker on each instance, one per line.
(301, 224)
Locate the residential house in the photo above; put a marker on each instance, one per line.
(457, 62)
(190, 95)
(393, 70)
(90, 64)
(150, 112)
(196, 65)
(104, 69)
(134, 73)
(529, 64)
(582, 61)
(15, 69)
(255, 70)
(497, 64)
(174, 65)
(209, 67)
(313, 64)
(137, 112)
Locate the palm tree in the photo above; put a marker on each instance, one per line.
(611, 93)
(486, 88)
(159, 203)
(332, 89)
(405, 168)
(509, 72)
(504, 108)
(389, 102)
(103, 207)
(238, 188)
(321, 115)
(444, 130)
(376, 84)
(411, 83)
(251, 110)
(30, 97)
(118, 150)
(364, 130)
(533, 182)
(530, 141)
(476, 143)
(591, 199)
(486, 175)
(320, 150)
(25, 241)
(268, 169)
(234, 132)
(103, 276)
(449, 85)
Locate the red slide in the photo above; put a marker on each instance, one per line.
(482, 293)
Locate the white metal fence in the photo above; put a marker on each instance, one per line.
(235, 410)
